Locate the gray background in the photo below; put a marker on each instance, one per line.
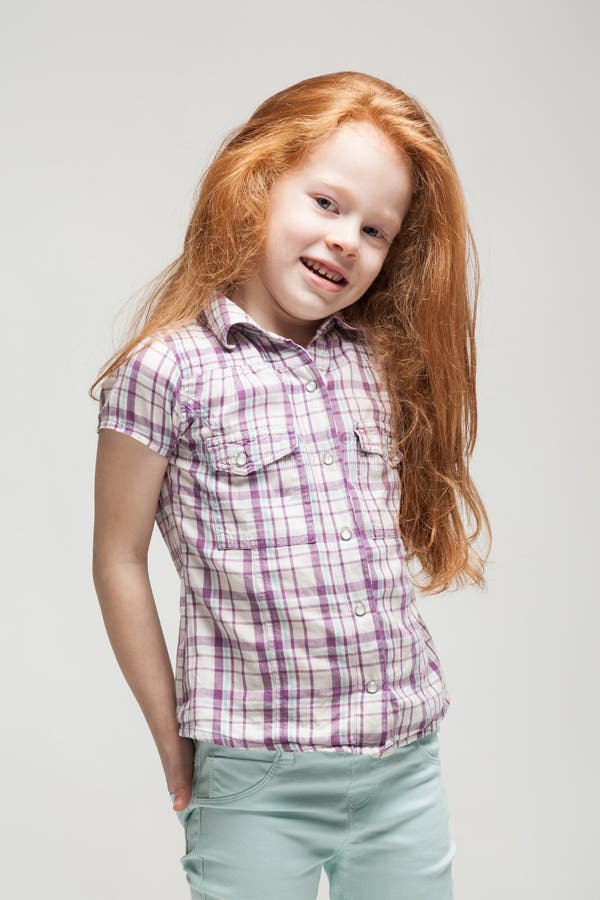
(111, 112)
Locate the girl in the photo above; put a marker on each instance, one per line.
(296, 413)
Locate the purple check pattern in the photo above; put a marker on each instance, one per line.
(299, 627)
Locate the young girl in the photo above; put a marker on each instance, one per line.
(296, 413)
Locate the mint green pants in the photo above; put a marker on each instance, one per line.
(262, 823)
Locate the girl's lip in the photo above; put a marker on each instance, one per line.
(324, 264)
(323, 282)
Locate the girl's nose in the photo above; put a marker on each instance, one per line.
(345, 241)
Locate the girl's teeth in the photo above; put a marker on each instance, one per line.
(335, 278)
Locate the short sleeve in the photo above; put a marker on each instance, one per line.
(141, 397)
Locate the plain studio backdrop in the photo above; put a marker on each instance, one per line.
(111, 113)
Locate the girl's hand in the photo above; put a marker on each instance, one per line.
(178, 764)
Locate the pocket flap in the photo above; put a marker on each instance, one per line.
(245, 454)
(376, 438)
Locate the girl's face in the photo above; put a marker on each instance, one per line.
(342, 208)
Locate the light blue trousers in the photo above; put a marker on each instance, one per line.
(262, 823)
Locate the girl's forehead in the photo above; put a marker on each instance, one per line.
(352, 134)
(357, 160)
(351, 147)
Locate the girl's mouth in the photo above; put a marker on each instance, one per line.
(323, 280)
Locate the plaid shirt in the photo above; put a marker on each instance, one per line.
(299, 627)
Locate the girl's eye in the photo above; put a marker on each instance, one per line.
(323, 198)
(379, 235)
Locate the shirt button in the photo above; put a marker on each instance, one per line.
(311, 386)
(359, 609)
(372, 687)
(345, 534)
(240, 459)
(205, 431)
(328, 457)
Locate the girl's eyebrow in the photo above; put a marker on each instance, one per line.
(392, 217)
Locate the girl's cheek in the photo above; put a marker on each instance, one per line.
(306, 221)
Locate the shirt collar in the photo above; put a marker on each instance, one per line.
(222, 313)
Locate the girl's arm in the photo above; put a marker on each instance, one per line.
(127, 487)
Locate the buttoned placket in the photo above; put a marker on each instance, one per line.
(363, 614)
(346, 533)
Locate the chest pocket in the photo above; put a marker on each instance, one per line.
(377, 468)
(258, 490)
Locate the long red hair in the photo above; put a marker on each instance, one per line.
(418, 315)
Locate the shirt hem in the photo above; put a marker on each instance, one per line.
(190, 730)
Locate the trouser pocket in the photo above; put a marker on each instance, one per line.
(429, 746)
(225, 774)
